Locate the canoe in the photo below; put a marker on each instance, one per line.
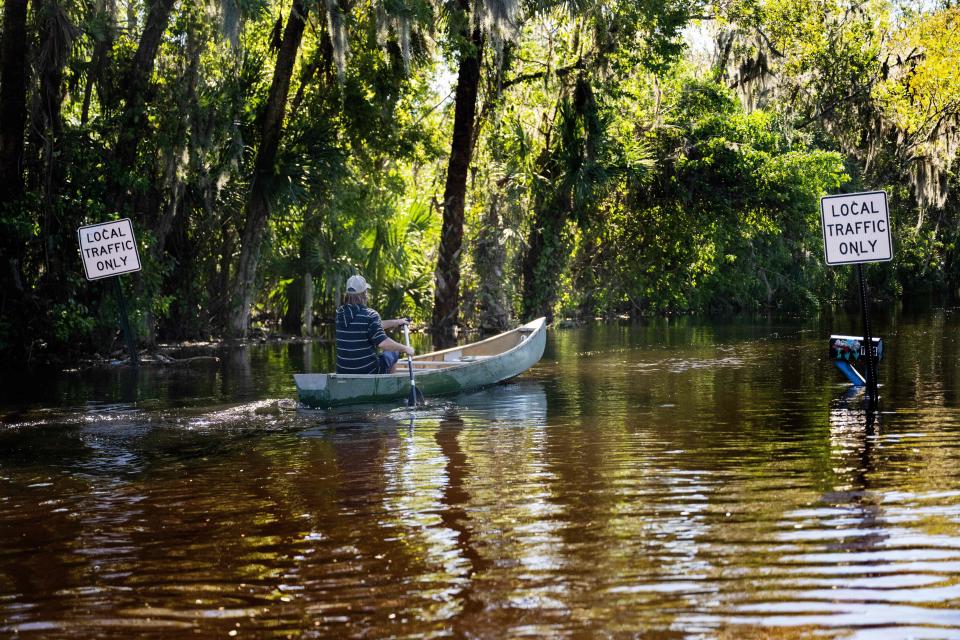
(462, 368)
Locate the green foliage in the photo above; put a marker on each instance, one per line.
(728, 221)
(614, 171)
(920, 261)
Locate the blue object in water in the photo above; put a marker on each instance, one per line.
(852, 374)
(851, 348)
(846, 350)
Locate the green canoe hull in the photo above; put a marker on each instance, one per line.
(323, 390)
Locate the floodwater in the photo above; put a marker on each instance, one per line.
(666, 479)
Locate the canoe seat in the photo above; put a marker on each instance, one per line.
(460, 359)
(432, 364)
(440, 364)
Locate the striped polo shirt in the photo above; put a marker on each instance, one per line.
(359, 331)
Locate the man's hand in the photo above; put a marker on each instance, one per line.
(393, 324)
(408, 350)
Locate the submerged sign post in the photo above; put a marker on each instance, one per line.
(109, 249)
(856, 229)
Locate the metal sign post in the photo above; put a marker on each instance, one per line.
(125, 325)
(868, 338)
(109, 249)
(856, 230)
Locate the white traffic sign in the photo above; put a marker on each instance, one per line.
(108, 249)
(856, 228)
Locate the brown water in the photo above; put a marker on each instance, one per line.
(671, 479)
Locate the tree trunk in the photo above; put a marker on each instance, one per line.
(13, 99)
(58, 34)
(222, 278)
(179, 147)
(264, 173)
(529, 268)
(446, 299)
(290, 320)
(489, 259)
(134, 91)
(98, 60)
(541, 263)
(307, 327)
(13, 119)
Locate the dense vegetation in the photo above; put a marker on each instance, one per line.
(479, 161)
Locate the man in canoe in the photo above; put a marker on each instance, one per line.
(360, 332)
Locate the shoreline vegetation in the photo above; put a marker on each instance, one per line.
(202, 352)
(480, 163)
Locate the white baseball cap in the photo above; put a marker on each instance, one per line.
(356, 284)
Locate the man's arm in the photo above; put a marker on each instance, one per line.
(390, 345)
(391, 324)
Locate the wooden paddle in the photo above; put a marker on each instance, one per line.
(412, 400)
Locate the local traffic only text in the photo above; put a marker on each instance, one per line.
(854, 231)
(108, 249)
(105, 250)
(856, 228)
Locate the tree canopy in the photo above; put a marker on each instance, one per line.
(478, 161)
